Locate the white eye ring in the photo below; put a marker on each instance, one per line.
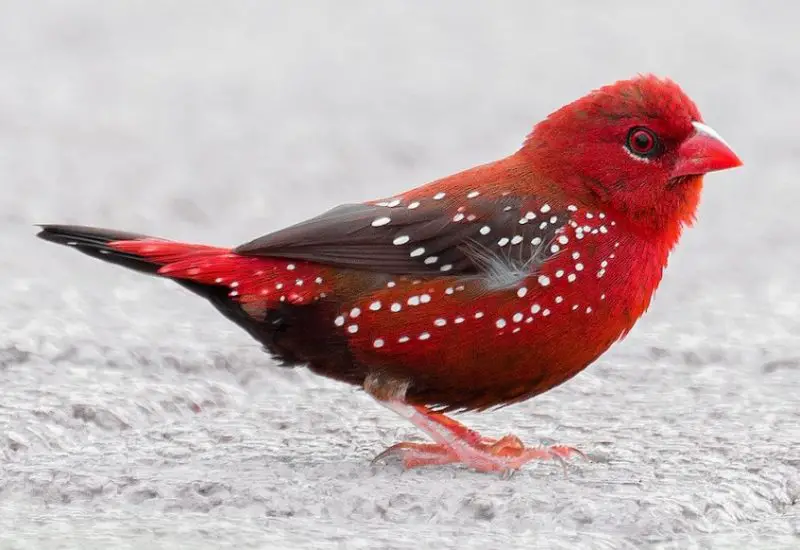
(635, 156)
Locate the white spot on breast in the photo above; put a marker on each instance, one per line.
(424, 335)
(536, 241)
(576, 255)
(425, 298)
(318, 280)
(545, 209)
(472, 194)
(234, 284)
(503, 241)
(530, 215)
(395, 307)
(563, 239)
(601, 273)
(485, 230)
(378, 343)
(604, 263)
(439, 196)
(431, 260)
(544, 280)
(517, 318)
(543, 225)
(448, 290)
(446, 267)
(553, 219)
(589, 216)
(517, 239)
(522, 292)
(278, 286)
(536, 308)
(458, 217)
(589, 309)
(413, 205)
(218, 280)
(602, 296)
(375, 306)
(555, 248)
(603, 229)
(500, 323)
(559, 273)
(402, 239)
(413, 301)
(559, 299)
(352, 329)
(291, 267)
(299, 282)
(417, 252)
(571, 277)
(378, 222)
(355, 312)
(523, 221)
(478, 314)
(572, 208)
(579, 267)
(391, 284)
(440, 322)
(546, 312)
(458, 320)
(403, 339)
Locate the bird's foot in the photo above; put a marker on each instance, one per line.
(455, 443)
(503, 455)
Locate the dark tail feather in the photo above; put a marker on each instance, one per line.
(93, 241)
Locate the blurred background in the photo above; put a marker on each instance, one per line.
(134, 415)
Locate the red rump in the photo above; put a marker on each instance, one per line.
(250, 278)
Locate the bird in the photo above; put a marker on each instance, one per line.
(477, 290)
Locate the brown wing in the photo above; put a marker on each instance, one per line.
(416, 239)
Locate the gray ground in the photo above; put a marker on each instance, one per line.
(133, 416)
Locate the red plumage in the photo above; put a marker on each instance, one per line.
(477, 290)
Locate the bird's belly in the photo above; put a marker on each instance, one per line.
(461, 345)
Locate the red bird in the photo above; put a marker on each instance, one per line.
(477, 290)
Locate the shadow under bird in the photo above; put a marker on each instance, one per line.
(477, 290)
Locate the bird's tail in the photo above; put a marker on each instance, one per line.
(134, 251)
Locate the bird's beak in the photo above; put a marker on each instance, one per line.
(702, 152)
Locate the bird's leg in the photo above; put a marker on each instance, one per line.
(455, 443)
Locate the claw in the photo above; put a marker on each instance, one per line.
(455, 443)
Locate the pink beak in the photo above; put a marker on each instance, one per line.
(702, 152)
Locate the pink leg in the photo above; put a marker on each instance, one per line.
(455, 443)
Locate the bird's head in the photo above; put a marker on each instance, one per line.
(638, 146)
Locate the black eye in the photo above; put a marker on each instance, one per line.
(642, 142)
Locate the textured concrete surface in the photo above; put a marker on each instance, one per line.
(133, 416)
